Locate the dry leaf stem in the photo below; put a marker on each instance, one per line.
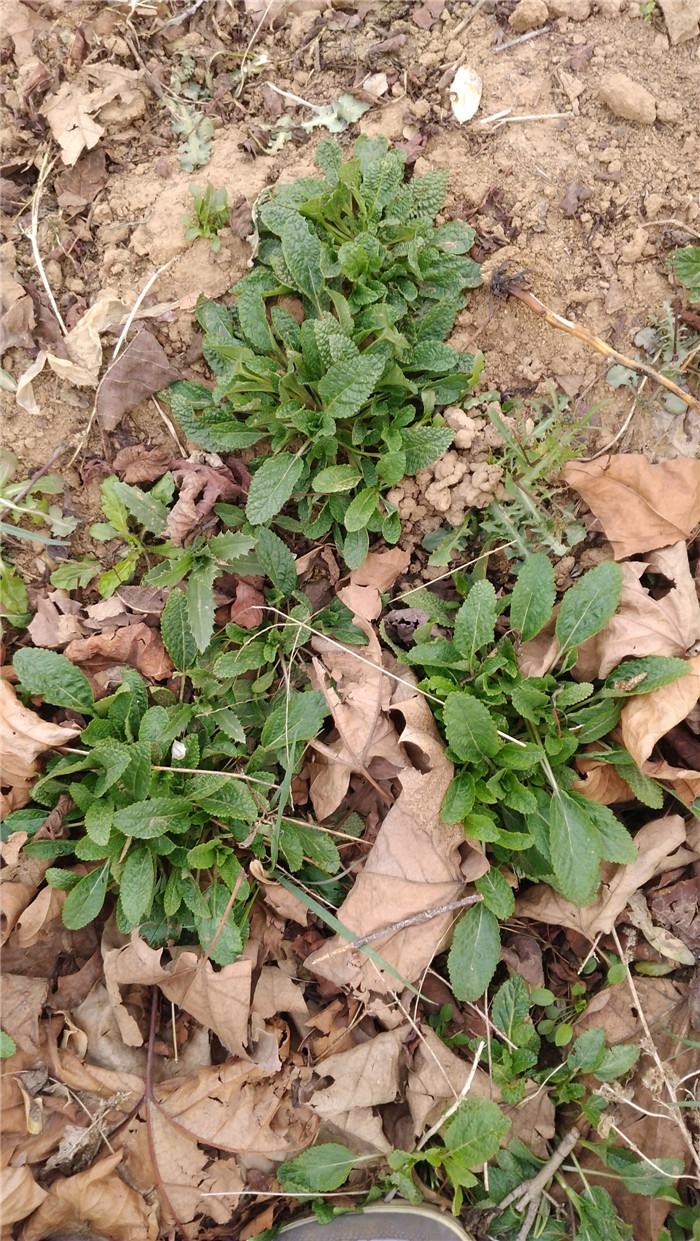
(425, 915)
(43, 469)
(583, 333)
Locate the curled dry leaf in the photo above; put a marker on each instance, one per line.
(646, 718)
(23, 737)
(22, 1002)
(414, 865)
(214, 484)
(246, 609)
(98, 1198)
(640, 506)
(20, 1195)
(138, 646)
(219, 999)
(77, 186)
(142, 369)
(601, 782)
(655, 842)
(55, 622)
(138, 464)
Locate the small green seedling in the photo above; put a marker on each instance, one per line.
(686, 266)
(211, 214)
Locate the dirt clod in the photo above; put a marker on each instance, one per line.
(628, 99)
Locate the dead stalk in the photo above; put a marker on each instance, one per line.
(418, 919)
(46, 166)
(582, 333)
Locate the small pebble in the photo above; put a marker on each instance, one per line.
(528, 15)
(628, 99)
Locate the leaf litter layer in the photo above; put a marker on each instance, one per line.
(439, 772)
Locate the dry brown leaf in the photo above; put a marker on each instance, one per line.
(20, 1195)
(643, 625)
(51, 627)
(219, 999)
(193, 478)
(138, 464)
(23, 737)
(22, 1002)
(363, 1077)
(142, 369)
(414, 865)
(238, 1108)
(381, 569)
(646, 718)
(98, 1198)
(138, 646)
(70, 111)
(601, 782)
(21, 23)
(655, 841)
(77, 186)
(15, 899)
(640, 506)
(359, 696)
(246, 609)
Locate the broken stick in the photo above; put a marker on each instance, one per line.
(582, 333)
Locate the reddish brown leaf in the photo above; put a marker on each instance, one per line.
(142, 369)
(135, 645)
(246, 608)
(138, 464)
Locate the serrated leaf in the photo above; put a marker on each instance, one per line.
(497, 893)
(223, 797)
(301, 250)
(318, 1170)
(643, 676)
(155, 816)
(334, 479)
(277, 561)
(474, 954)
(588, 605)
(575, 849)
(86, 899)
(137, 884)
(148, 511)
(55, 678)
(458, 799)
(347, 385)
(423, 446)
(511, 1006)
(298, 841)
(533, 596)
(640, 1176)
(617, 1061)
(271, 487)
(233, 663)
(253, 320)
(177, 636)
(355, 548)
(587, 1052)
(230, 725)
(475, 1131)
(616, 844)
(475, 622)
(360, 509)
(200, 602)
(471, 732)
(299, 718)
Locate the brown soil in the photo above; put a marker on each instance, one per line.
(595, 252)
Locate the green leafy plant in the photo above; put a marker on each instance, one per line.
(686, 267)
(211, 214)
(333, 355)
(513, 738)
(34, 504)
(166, 790)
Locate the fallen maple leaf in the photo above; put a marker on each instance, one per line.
(23, 737)
(70, 110)
(141, 370)
(138, 646)
(640, 506)
(655, 842)
(219, 999)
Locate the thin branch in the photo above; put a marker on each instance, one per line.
(44, 469)
(46, 166)
(600, 346)
(425, 915)
(531, 1190)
